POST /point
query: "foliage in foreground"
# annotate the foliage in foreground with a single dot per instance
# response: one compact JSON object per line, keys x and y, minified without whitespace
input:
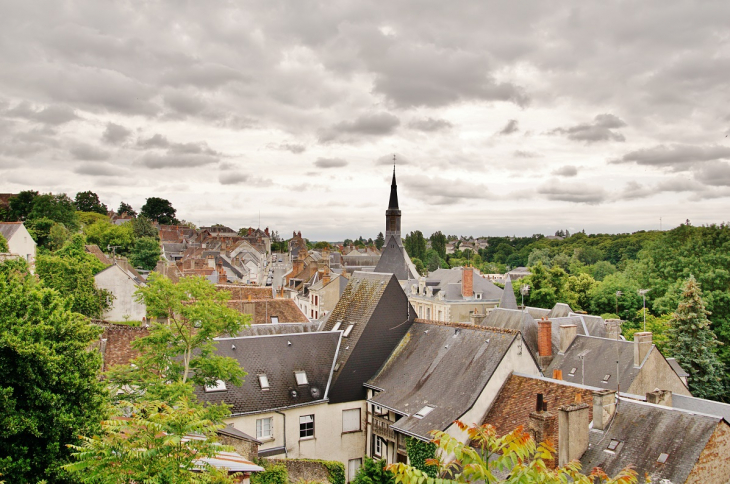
{"x":515,"y":453}
{"x":374,"y":472}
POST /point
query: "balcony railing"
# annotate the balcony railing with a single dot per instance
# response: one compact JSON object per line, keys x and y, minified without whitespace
{"x":381,"y":428}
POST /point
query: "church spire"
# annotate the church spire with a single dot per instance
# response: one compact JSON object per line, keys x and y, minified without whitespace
{"x":392,"y":215}
{"x":393,"y":204}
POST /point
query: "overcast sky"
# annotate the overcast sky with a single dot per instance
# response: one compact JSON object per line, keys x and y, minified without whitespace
{"x":506,"y":118}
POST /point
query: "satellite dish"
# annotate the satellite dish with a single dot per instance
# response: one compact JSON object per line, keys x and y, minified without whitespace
{"x":316,"y":394}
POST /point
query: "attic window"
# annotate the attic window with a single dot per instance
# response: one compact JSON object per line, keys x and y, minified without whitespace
{"x":348,"y":331}
{"x":606,"y":378}
{"x":274,"y":319}
{"x":662,"y":458}
{"x":572,"y":371}
{"x":220,"y":386}
{"x":264,"y":382}
{"x":478,"y":295}
{"x":614,"y":443}
{"x":424,"y":411}
{"x":337,"y":326}
{"x":301,"y":377}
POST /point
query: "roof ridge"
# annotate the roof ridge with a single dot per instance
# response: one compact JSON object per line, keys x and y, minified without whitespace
{"x":466,"y":326}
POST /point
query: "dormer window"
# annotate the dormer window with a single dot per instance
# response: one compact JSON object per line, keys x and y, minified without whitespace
{"x":478,"y":295}
{"x":220,"y":386}
{"x":348,"y":330}
{"x":274,"y":319}
{"x":264,"y":382}
{"x":301,"y":377}
{"x":424,"y":411}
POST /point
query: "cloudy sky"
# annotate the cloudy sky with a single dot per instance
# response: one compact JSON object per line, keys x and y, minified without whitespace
{"x":514,"y":117}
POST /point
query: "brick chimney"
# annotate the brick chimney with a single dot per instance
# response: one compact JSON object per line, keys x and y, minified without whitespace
{"x":660,"y":397}
{"x":604,"y":406}
{"x":543,"y":426}
{"x":613,"y":328}
{"x":572,"y":432}
{"x":568,"y":332}
{"x":211,"y":261}
{"x":326,"y":276}
{"x":477,"y":318}
{"x":467,"y":282}
{"x":544,"y":342}
{"x":642,"y":345}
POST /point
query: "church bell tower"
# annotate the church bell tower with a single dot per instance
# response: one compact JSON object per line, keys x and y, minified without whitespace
{"x":392,"y":215}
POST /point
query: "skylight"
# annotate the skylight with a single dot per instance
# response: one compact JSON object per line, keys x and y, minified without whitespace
{"x":220,"y":386}
{"x":337,"y":326}
{"x":572,"y":371}
{"x":264,"y":382}
{"x":348,"y":331}
{"x":606,"y":378}
{"x":274,"y":319}
{"x":301,"y":377}
{"x":662,"y":458}
{"x":424,"y":411}
{"x":614,"y":443}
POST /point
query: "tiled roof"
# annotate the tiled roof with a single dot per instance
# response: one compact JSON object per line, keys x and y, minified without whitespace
{"x":279,"y":328}
{"x":96,"y":252}
{"x":277,"y":357}
{"x":647,"y":431}
{"x":560,"y":310}
{"x":245,"y":292}
{"x":443,"y":366}
{"x":700,"y":405}
{"x":380,"y":314}
{"x":286,"y":310}
{"x":7,"y":229}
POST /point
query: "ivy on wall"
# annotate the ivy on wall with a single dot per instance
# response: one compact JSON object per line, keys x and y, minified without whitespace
{"x":336,"y":471}
{"x":418,"y":452}
{"x":273,"y":474}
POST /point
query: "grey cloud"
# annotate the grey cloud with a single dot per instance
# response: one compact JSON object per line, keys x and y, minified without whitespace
{"x":430,"y":124}
{"x":567,"y":171}
{"x":510,"y":127}
{"x":292,"y":147}
{"x":677,"y":157}
{"x":184,"y":103}
{"x":53,"y":115}
{"x":572,"y":192}
{"x":83,"y":151}
{"x":400,"y":160}
{"x":172,"y":160}
{"x":193,"y":148}
{"x":330,"y":163}
{"x":679,"y":184}
{"x":634,"y":190}
{"x":239,"y":178}
{"x":378,"y":124}
{"x":602,"y":129}
{"x":440,"y":191}
{"x":715,"y":173}
{"x":203,"y":75}
{"x":97,"y":169}
{"x":115,"y":134}
{"x":526,"y":154}
{"x":156,"y":141}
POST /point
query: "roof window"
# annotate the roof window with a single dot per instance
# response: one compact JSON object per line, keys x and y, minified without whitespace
{"x":348,"y":330}
{"x":301,"y":377}
{"x":424,"y":411}
{"x":264,"y":381}
{"x":274,"y":319}
{"x":220,"y":386}
{"x":662,"y":458}
{"x":613,"y":444}
{"x":572,"y":371}
{"x":606,"y":378}
{"x":337,"y":325}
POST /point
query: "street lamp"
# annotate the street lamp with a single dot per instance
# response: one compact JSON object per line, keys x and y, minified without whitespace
{"x":643,"y":296}
{"x":618,"y":294}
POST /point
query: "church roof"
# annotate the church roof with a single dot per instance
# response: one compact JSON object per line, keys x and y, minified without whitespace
{"x":393,"y":203}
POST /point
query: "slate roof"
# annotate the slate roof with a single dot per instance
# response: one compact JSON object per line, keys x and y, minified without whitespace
{"x":516,"y":320}
{"x":449,"y":281}
{"x":278,"y":357}
{"x":700,"y":405}
{"x":232,"y":431}
{"x":600,"y":359}
{"x":380,"y":314}
{"x":8,"y":229}
{"x":96,"y":252}
{"x":647,"y":431}
{"x":280,"y":328}
{"x":560,"y":310}
{"x":395,"y":260}
{"x":444,"y":366}
{"x":677,"y":369}
{"x":508,"y":300}
{"x":537,"y":313}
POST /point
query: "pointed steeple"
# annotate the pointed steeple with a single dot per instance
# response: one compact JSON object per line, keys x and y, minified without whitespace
{"x":508,"y":300}
{"x":393,"y":204}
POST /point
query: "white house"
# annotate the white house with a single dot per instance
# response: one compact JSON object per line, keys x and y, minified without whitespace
{"x":19,"y":240}
{"x":122,"y":283}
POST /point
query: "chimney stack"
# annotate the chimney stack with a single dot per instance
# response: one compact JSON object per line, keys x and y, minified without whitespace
{"x":211,"y":261}
{"x":613,"y":328}
{"x":604,"y":406}
{"x":660,"y":397}
{"x":543,"y":426}
{"x":572,"y":432}
{"x":544,"y":342}
{"x":568,"y":332}
{"x":557,"y":374}
{"x":467,"y":282}
{"x":642,"y":345}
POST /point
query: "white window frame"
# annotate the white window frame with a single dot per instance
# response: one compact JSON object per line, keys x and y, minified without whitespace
{"x":378,"y":447}
{"x":220,"y":386}
{"x":274,"y":319}
{"x":348,"y":330}
{"x":264,"y":381}
{"x":301,"y":377}
{"x":353,"y":465}
{"x":424,"y":411}
{"x":348,"y":416}
{"x":337,"y":325}
{"x":304,"y":420}
{"x":261,"y":424}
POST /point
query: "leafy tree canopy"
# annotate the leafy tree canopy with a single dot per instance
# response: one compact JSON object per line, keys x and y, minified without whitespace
{"x":59,"y":208}
{"x":374,"y":472}
{"x":107,"y":235}
{"x":22,"y":204}
{"x":90,"y":218}
{"x":159,"y":210}
{"x":415,"y":245}
{"x":145,"y":253}
{"x":3,"y":244}
{"x":379,"y":241}
{"x":142,"y":227}
{"x":126,"y":208}
{"x":49,"y":386}
{"x":322,"y":245}
{"x":89,"y":202}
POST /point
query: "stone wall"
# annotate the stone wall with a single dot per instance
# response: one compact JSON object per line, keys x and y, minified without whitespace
{"x":304,"y":470}
{"x":249,"y":450}
{"x":116,"y":347}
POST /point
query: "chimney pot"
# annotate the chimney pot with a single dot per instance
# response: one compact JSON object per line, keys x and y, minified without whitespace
{"x":642,"y":346}
{"x":568,"y":332}
{"x":660,"y":397}
{"x":613,"y":328}
{"x":557,"y":374}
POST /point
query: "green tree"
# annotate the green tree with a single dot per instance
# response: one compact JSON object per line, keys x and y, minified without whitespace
{"x":40,"y":230}
{"x":142,"y":227}
{"x":126,"y":208}
{"x":539,"y":255}
{"x":58,"y":236}
{"x":159,"y":210}
{"x":22,"y":204}
{"x":59,"y":208}
{"x":415,"y":245}
{"x":145,"y":253}
{"x":89,"y":202}
{"x":438,"y":243}
{"x":374,"y":472}
{"x":90,"y":218}
{"x":379,"y":241}
{"x":107,"y":235}
{"x":601,"y":269}
{"x":658,"y":325}
{"x":3,"y":244}
{"x":420,"y":268}
{"x":515,"y":455}
{"x":693,"y":343}
{"x":50,"y":390}
{"x":322,"y":245}
{"x":153,"y":445}
{"x":580,"y":287}
{"x":603,"y":298}
{"x":181,"y":347}
{"x":547,"y":287}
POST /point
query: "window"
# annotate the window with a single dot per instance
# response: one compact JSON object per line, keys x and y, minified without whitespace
{"x":348,"y":330}
{"x":378,"y":410}
{"x":306,"y":426}
{"x":378,"y":447}
{"x":264,"y":428}
{"x":424,"y":411}
{"x":264,"y":382}
{"x":662,"y":458}
{"x":572,"y":371}
{"x":614,"y":443}
{"x":301,"y":377}
{"x":337,"y":325}
{"x":274,"y":319}
{"x":220,"y":386}
{"x":606,"y":378}
{"x":351,"y":420}
{"x":316,"y":300}
{"x":478,"y":295}
{"x":352,"y":467}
